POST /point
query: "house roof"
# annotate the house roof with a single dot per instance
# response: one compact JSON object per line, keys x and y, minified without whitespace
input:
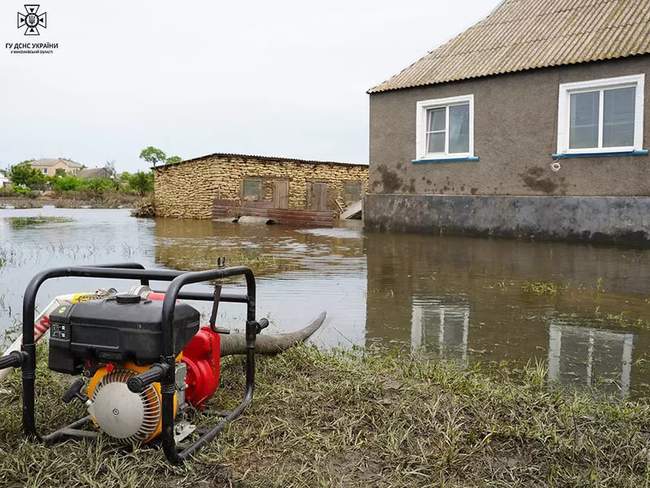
{"x":269,"y":159}
{"x":47,"y":163}
{"x":94,"y":173}
{"x":528,"y":34}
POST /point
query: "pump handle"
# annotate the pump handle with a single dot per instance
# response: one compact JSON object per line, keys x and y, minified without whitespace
{"x":12,"y":360}
{"x":138,"y":383}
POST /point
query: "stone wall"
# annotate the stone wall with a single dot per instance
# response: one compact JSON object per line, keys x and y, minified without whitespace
{"x":188,"y":189}
{"x":620,"y":220}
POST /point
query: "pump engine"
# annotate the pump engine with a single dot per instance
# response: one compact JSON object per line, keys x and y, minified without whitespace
{"x":112,"y":341}
{"x":142,"y":358}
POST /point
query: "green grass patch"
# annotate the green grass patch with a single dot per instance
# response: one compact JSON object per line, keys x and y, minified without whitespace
{"x":541,"y":287}
{"x":23,"y":222}
{"x":358,"y":419}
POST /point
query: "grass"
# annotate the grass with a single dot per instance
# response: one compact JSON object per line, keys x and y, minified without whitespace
{"x":263,"y":263}
{"x":23,"y":222}
{"x":541,"y":287}
{"x":353,"y":419}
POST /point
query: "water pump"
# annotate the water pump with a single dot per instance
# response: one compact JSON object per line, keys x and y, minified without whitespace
{"x":142,"y":358}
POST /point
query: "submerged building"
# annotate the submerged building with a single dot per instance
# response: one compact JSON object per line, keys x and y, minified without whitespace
{"x":283,"y":189}
{"x":528,"y":124}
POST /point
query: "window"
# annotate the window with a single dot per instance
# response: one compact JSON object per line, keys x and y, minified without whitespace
{"x":445,"y":128}
{"x":44,"y":170}
{"x":252,"y":190}
{"x":601,"y":116}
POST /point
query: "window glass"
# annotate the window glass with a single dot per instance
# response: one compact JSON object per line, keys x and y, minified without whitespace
{"x":618,"y":121}
{"x":437,"y":119}
{"x":459,"y":128}
{"x":584,"y":120}
{"x":436,"y":142}
{"x":436,"y":130}
{"x":252,"y":190}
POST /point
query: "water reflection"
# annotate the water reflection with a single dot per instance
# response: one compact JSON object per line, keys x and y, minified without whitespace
{"x":442,"y":326}
{"x":465,"y":299}
{"x":590,"y":357}
{"x":454,"y":297}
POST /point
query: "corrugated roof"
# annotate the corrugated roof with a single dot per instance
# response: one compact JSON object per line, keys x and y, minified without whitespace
{"x":94,"y":173}
{"x":528,"y":34}
{"x":269,"y":159}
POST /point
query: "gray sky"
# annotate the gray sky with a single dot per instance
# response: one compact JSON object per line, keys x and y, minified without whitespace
{"x":282,"y":78}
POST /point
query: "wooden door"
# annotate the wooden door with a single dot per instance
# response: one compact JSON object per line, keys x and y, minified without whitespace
{"x":318,"y":196}
{"x":280,"y":194}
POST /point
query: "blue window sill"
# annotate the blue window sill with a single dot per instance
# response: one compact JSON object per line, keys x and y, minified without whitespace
{"x":642,"y":152}
{"x":468,"y":159}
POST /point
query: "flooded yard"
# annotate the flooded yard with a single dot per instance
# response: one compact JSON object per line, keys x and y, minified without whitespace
{"x":580,"y":310}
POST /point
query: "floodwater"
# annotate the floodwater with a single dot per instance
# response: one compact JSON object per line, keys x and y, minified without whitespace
{"x":581,"y":310}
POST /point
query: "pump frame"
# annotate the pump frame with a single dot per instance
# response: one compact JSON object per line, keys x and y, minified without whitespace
{"x":26,"y":359}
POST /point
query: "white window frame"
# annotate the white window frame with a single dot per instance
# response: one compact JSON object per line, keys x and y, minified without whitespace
{"x":564,"y":113}
{"x":421,"y":127}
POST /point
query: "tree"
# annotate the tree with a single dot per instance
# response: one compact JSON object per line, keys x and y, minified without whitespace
{"x":67,"y":183}
{"x":23,"y":174}
{"x":153,"y":155}
{"x":141,"y":182}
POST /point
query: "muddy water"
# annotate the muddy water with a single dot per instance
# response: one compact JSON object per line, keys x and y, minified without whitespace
{"x":583,"y":311}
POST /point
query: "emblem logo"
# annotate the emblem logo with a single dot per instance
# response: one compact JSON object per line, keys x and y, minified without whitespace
{"x":32,"y":20}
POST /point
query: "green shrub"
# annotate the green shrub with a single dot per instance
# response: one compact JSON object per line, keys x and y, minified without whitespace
{"x":66,"y":183}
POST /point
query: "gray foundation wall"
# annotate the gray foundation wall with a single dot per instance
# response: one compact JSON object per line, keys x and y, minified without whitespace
{"x":624,"y":220}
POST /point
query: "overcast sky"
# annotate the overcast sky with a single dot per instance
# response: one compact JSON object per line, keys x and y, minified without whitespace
{"x":282,"y":78}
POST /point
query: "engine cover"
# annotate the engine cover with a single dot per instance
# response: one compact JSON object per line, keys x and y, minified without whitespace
{"x":118,"y":329}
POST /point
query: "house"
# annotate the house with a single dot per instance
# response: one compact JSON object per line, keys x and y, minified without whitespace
{"x":88,"y":173}
{"x":4,"y":181}
{"x":528,"y":124}
{"x":49,"y":167}
{"x":286,"y":190}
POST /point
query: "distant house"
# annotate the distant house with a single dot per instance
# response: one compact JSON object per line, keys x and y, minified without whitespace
{"x":87,"y":173}
{"x":282,"y":189}
{"x":50,"y":166}
{"x":4,"y":181}
{"x":529,"y":123}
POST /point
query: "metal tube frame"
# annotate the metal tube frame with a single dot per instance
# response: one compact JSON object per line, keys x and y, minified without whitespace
{"x":177,"y":279}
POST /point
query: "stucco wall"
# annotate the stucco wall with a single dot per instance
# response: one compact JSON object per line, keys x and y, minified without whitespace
{"x":515,"y":127}
{"x":51,"y":170}
{"x":188,"y":190}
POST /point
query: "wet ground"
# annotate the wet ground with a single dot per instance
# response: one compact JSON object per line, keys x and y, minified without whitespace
{"x":581,"y":310}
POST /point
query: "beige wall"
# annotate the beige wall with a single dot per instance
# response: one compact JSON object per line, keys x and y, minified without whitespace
{"x":188,"y":190}
{"x":515,"y":127}
{"x":51,"y":170}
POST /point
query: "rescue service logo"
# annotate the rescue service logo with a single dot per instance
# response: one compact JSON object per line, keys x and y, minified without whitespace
{"x":31,"y":22}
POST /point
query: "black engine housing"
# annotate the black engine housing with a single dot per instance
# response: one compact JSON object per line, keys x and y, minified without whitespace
{"x":117,"y":329}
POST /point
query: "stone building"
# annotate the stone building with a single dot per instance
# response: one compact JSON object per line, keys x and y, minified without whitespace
{"x":220,"y":185}
{"x":529,"y":123}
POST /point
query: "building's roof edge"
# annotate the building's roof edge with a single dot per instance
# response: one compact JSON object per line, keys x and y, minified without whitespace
{"x":48,"y":162}
{"x":377,"y":89}
{"x":523,"y":35}
{"x":261,"y":158}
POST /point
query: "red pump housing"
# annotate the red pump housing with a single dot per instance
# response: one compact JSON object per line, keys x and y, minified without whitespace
{"x":202,"y":355}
